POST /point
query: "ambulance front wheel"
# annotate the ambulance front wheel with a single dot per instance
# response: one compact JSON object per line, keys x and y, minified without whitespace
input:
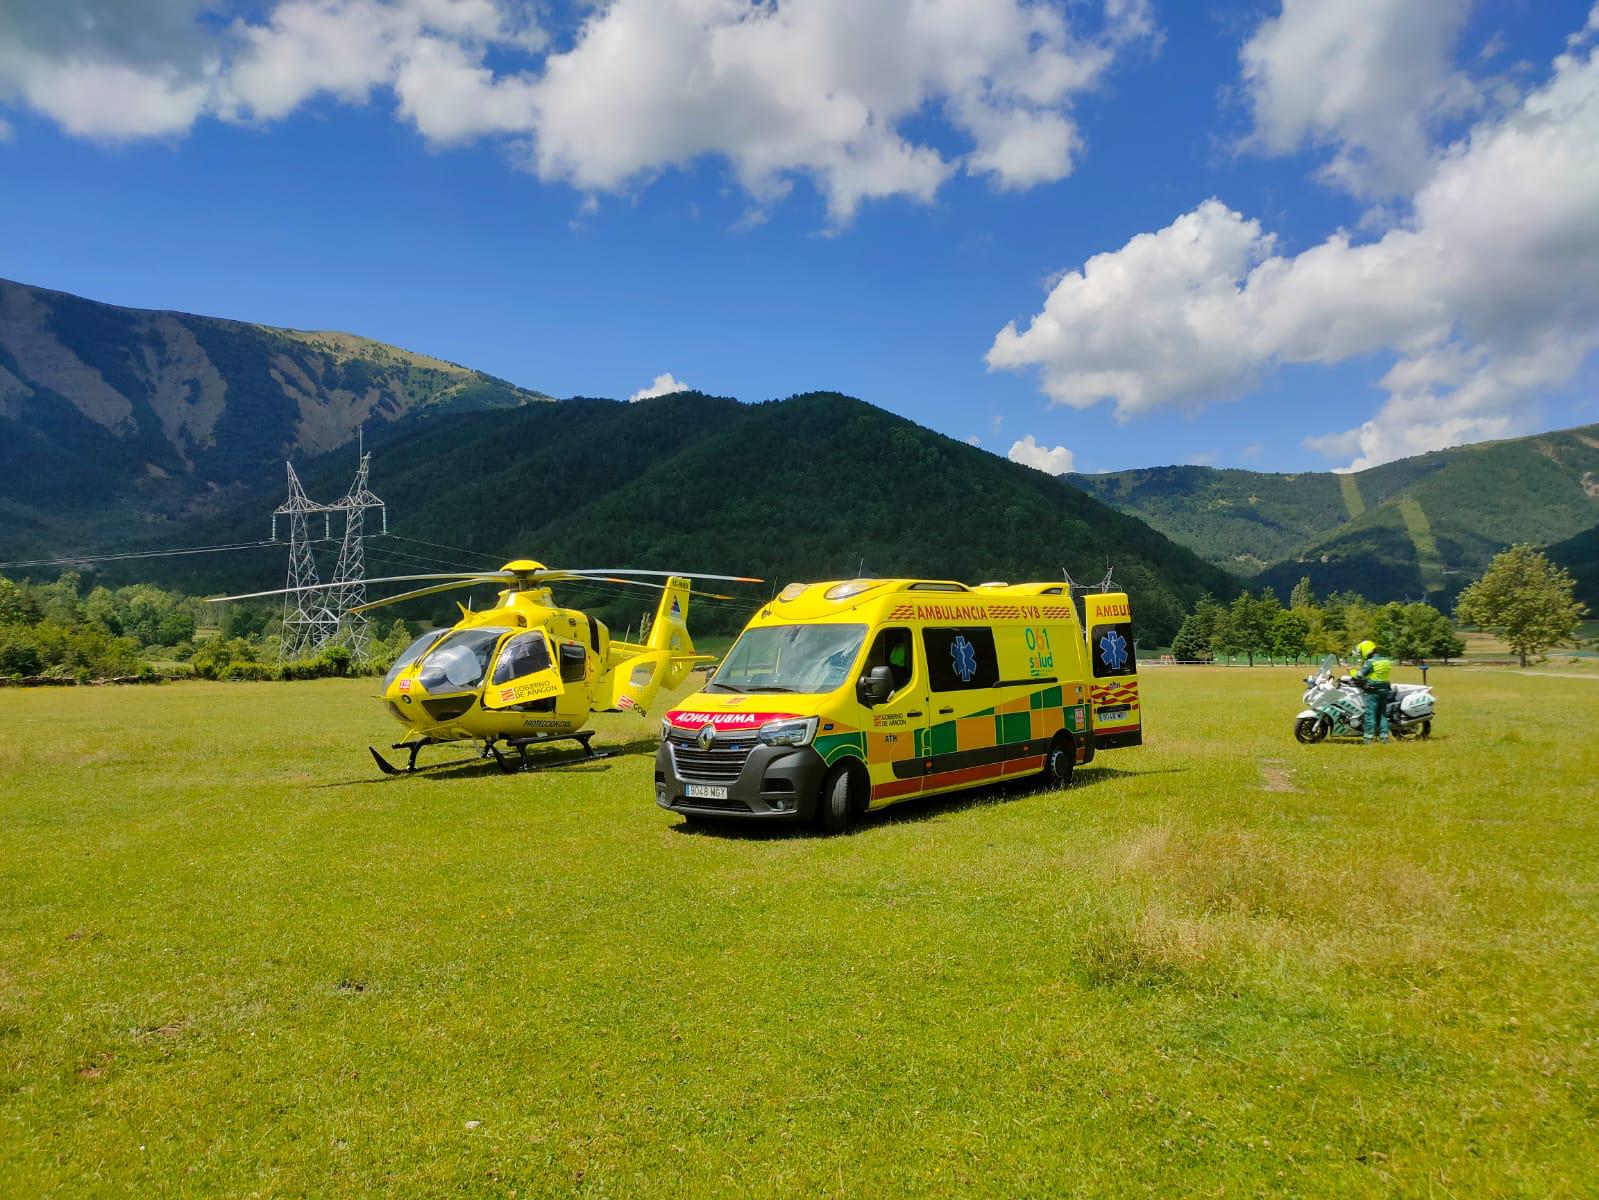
{"x":840,"y":799}
{"x":1059,"y":761}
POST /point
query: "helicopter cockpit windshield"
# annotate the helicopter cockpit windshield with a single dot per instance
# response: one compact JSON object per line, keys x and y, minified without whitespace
{"x":460,"y":660}
{"x":411,"y":653}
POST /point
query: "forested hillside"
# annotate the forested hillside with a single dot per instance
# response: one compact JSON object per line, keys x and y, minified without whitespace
{"x":1580,"y":556}
{"x":134,"y":421}
{"x":1242,"y":520}
{"x":816,"y":486}
{"x":1422,"y":526}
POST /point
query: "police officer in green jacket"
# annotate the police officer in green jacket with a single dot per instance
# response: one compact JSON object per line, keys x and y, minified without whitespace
{"x":1372,"y":672}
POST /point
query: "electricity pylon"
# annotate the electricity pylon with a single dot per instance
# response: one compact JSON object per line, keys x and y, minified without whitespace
{"x":307,"y":620}
{"x":351,"y":629}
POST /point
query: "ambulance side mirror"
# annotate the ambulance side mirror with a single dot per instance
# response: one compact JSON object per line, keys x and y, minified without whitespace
{"x":876,"y":686}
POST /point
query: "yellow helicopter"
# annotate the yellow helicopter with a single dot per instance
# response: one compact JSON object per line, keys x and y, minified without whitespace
{"x":527,"y":671}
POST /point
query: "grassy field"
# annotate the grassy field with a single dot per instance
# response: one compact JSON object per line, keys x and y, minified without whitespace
{"x":234,"y":961}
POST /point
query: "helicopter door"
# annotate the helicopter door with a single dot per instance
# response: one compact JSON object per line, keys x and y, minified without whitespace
{"x":523,"y":672}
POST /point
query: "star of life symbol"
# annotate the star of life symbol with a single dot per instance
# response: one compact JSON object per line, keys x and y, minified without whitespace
{"x":963,"y":660}
{"x":1113,"y":650}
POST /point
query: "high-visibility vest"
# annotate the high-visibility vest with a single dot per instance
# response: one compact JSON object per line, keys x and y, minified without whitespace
{"x":1376,"y":669}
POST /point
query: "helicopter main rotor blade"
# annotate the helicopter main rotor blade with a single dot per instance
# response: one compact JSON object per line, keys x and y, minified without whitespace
{"x":322,"y":587}
{"x":662,"y":574}
{"x":654,"y":587}
{"x":427,"y":591}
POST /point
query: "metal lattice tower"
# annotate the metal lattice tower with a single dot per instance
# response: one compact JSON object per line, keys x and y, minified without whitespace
{"x":352,"y":630}
{"x":307,"y":621}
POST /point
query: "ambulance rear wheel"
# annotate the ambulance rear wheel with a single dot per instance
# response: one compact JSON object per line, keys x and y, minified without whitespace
{"x":1059,"y":761}
{"x":836,"y":803}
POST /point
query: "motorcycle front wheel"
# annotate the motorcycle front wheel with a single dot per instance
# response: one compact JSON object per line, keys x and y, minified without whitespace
{"x":1310,"y":730}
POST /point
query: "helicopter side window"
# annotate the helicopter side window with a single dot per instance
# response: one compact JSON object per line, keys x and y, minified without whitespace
{"x":522,"y":655}
{"x":574,"y":662}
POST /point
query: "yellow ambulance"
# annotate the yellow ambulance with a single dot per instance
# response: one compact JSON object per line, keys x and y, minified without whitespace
{"x":846,"y":696}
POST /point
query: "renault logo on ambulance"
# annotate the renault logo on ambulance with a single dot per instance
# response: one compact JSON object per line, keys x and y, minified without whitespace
{"x":707,"y":737}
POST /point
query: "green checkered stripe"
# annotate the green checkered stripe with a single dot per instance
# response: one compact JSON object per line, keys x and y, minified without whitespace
{"x":941,"y":737}
{"x":832,"y":746}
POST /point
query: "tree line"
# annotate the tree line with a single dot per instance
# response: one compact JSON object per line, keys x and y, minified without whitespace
{"x":1523,"y":597}
{"x":61,"y":632}
{"x":1258,"y":625}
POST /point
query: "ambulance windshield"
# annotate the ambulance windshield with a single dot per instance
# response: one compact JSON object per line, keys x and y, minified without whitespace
{"x":810,"y":659}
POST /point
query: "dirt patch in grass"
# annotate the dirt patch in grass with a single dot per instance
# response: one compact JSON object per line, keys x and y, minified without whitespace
{"x":1275,"y":776}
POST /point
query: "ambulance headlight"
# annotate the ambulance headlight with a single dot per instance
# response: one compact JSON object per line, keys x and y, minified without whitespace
{"x":666,"y":729}
{"x":800,"y":731}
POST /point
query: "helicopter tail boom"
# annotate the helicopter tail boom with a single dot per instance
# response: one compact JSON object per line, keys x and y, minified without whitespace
{"x":639,"y":671}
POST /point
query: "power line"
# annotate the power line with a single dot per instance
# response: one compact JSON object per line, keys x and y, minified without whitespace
{"x":89,"y":558}
{"x":442,"y":546}
{"x":412,"y":556}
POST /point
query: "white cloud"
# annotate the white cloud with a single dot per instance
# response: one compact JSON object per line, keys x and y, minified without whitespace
{"x":973,"y":440}
{"x":662,"y":385}
{"x":818,"y":88}
{"x":112,"y":101}
{"x":1052,"y":460}
{"x":1485,"y":296}
{"x":1369,"y":79}
{"x":787,"y":89}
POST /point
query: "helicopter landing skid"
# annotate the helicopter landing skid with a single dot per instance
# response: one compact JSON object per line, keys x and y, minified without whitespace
{"x":415,"y":748}
{"x":511,"y":764}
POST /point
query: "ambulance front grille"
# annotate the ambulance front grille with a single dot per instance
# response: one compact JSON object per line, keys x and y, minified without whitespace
{"x":722,"y":763}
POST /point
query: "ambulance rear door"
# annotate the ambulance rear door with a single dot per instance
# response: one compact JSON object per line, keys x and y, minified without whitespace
{"x":1113,"y":693}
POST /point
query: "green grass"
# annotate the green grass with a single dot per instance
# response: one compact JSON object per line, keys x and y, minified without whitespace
{"x":233,"y":961}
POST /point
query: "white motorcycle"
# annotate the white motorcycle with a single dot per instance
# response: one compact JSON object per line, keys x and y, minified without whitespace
{"x":1336,"y":707}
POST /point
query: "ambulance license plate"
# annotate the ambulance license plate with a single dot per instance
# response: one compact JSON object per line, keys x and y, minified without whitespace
{"x":707,"y":791}
{"x":1112,"y":714}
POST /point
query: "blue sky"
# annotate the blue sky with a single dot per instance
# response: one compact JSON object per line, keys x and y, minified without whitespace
{"x":592,"y":271}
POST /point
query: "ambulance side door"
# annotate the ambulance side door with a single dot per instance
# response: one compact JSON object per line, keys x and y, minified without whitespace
{"x":896,"y":727}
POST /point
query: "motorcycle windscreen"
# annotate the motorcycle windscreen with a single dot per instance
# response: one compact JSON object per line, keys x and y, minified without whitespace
{"x":1113,"y":696}
{"x":523,"y":672}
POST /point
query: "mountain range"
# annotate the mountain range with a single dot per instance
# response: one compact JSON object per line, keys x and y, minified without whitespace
{"x":123,"y":428}
{"x":145,"y":419}
{"x":1417,"y":527}
{"x":127,"y":429}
